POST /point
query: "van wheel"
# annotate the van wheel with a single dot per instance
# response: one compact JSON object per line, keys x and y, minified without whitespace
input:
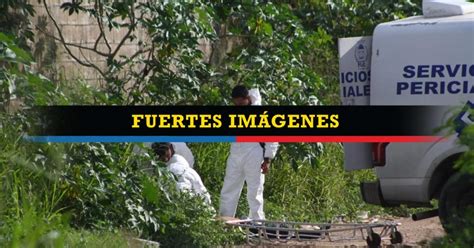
{"x":456,"y":198}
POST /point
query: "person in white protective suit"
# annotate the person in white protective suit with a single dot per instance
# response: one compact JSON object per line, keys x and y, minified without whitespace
{"x":188,"y":180}
{"x":182,"y":149}
{"x":247,"y":162}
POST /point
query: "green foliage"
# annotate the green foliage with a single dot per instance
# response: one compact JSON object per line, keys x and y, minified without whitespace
{"x":29,"y":194}
{"x":316,"y":193}
{"x":169,"y":51}
{"x":96,"y":239}
{"x":353,"y":18}
{"x":283,"y":49}
{"x":18,"y":79}
{"x":292,"y":192}
{"x":99,"y":187}
{"x":45,"y":51}
{"x":32,"y":228}
{"x":466,"y":162}
{"x":462,"y":237}
{"x":466,"y":138}
{"x":175,"y":28}
{"x":47,"y":187}
{"x":15,"y":20}
{"x":270,"y":56}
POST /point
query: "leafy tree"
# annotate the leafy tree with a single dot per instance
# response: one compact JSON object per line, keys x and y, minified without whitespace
{"x":168,"y":53}
{"x":17,"y":78}
{"x":15,"y":20}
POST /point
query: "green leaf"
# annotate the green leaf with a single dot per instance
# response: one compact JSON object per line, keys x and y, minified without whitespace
{"x":150,"y":192}
{"x":33,"y":79}
{"x":20,"y":53}
{"x":5,"y":38}
{"x":267,"y":28}
{"x":203,"y":18}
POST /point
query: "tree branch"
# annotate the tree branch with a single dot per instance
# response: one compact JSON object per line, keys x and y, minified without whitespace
{"x":100,"y":24}
{"x":143,"y":73}
{"x":71,"y":44}
{"x":97,"y":41}
{"x":130,"y":29}
{"x":140,"y":51}
{"x":85,"y":58}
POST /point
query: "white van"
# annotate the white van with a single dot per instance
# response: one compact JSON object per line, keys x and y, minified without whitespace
{"x":421,"y":60}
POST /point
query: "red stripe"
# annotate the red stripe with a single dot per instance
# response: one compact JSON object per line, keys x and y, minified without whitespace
{"x":370,"y":139}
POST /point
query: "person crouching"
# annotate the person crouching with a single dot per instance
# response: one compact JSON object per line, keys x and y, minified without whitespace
{"x":188,"y":180}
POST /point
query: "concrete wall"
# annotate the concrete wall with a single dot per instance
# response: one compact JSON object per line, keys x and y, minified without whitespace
{"x":82,"y":29}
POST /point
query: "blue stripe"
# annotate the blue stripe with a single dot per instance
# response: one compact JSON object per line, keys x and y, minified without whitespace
{"x":82,"y":139}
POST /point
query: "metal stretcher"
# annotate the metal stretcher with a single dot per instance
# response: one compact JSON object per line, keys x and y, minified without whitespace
{"x":258,"y":231}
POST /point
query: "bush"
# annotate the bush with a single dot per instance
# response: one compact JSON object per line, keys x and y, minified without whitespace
{"x":98,"y":187}
{"x":462,"y":237}
{"x":50,"y":189}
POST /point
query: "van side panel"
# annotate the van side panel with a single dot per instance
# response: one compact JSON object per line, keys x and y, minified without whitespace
{"x":421,"y":61}
{"x":407,"y":175}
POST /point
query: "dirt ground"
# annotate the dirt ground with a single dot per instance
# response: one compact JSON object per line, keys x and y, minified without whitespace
{"x":415,"y":234}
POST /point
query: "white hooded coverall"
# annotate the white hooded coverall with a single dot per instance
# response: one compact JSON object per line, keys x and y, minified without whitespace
{"x":244,"y":165}
{"x":187,"y":178}
{"x":182,"y":149}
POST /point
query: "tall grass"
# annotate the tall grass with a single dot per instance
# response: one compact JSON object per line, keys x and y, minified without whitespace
{"x":31,"y":196}
{"x":56,"y":195}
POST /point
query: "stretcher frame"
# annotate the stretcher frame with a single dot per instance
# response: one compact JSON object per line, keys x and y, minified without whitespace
{"x":284,"y":231}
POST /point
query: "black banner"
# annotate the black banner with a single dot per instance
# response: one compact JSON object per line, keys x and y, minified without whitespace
{"x":237,"y":121}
